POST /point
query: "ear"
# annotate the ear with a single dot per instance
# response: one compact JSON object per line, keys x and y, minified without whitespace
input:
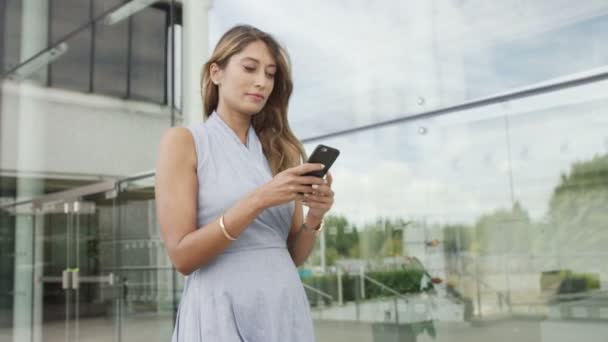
{"x":216,"y":74}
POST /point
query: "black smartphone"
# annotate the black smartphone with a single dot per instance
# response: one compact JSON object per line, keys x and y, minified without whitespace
{"x":325,"y":155}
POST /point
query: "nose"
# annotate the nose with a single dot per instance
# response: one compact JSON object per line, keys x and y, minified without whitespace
{"x":261,"y":81}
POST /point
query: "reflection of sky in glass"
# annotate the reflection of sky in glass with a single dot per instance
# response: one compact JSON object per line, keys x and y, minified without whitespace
{"x":361,"y":62}
{"x":568,"y":50}
{"x":460,"y":169}
{"x":356,"y":63}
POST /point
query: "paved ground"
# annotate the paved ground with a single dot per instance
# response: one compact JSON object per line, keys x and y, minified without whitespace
{"x":152,"y":329}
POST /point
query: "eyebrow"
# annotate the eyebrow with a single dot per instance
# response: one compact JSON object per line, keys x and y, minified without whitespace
{"x":255,"y":60}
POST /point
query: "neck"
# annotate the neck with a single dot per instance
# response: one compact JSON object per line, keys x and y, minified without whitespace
{"x":238,"y":122}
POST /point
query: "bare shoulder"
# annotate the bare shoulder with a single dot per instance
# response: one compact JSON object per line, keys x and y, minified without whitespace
{"x":176,"y":185}
{"x":177,"y":144}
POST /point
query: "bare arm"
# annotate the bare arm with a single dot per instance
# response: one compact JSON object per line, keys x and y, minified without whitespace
{"x":301,"y":241}
{"x":190,"y":248}
{"x":176,"y":200}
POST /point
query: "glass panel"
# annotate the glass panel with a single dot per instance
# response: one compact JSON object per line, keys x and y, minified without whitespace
{"x":557,"y":255}
{"x":41,"y":246}
{"x":73,"y":69}
{"x":363,"y":62}
{"x":21,"y":297}
{"x":56,"y":308}
{"x":150,"y":284}
{"x":472,"y":218}
{"x":11,"y":19}
{"x":395,"y":207}
{"x":7,"y":275}
{"x":148,"y":56}
{"x":67,"y":16}
{"x":102,"y":6}
{"x":96,"y":288}
{"x":111,"y":51}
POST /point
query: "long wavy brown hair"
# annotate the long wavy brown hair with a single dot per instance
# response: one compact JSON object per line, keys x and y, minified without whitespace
{"x":281,"y":147}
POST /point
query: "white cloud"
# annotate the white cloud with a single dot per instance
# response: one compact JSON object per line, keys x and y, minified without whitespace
{"x":357,"y":63}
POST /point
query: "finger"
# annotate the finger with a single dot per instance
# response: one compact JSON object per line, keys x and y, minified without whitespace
{"x":329,"y":179}
{"x":306,"y":168}
{"x":309,"y":180}
{"x":306,"y":189}
{"x":323,"y":190}
{"x":316,"y":205}
{"x":318,"y":199}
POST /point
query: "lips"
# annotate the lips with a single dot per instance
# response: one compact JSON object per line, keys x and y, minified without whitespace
{"x":257,"y":96}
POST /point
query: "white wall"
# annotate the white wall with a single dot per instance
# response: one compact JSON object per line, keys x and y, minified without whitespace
{"x":78,"y":133}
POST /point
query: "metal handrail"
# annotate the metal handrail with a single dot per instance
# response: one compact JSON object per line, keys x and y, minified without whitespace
{"x":317,"y":291}
{"x":138,"y":268}
{"x":69,"y":194}
{"x":539,"y":89}
{"x":385,"y":287}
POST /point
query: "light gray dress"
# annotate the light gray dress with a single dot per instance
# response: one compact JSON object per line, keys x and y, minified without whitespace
{"x":252,"y":292}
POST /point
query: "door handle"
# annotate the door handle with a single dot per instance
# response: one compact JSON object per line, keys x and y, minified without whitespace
{"x":77,"y":279}
{"x":64,"y":279}
{"x":70,"y":278}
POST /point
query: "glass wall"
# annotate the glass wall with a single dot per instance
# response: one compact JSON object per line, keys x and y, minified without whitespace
{"x":87,"y":88}
{"x":470,"y":190}
{"x":500,"y":204}
{"x":357,"y":62}
{"x":98,"y":270}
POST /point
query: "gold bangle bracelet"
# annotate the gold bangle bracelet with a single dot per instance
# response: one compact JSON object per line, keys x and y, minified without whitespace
{"x":317,"y":230}
{"x":223,"y":228}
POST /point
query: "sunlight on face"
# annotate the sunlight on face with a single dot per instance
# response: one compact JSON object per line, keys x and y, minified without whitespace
{"x":248,"y":79}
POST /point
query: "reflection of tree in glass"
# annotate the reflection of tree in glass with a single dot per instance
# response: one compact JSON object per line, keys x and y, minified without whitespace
{"x":343,"y":240}
{"x":578,"y":209}
{"x":503,"y":231}
{"x":578,"y":222}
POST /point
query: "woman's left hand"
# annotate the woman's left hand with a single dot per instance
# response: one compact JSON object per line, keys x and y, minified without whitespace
{"x":320,"y":201}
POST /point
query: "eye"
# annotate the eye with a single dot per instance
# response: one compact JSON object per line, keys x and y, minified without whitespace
{"x":270,"y":75}
{"x":249,"y":68}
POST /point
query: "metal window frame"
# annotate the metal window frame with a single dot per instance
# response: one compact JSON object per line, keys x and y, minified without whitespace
{"x":90,"y":23}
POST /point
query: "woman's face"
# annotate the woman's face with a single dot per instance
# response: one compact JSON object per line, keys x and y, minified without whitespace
{"x":248,"y":79}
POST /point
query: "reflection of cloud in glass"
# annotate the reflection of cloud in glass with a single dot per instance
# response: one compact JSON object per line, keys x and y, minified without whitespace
{"x":358,"y":63}
{"x":460,"y":169}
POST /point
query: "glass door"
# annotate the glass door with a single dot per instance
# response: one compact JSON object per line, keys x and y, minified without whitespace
{"x":77,"y":295}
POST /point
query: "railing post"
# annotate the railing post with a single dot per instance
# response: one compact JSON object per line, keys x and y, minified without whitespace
{"x":396,"y":311}
{"x":340,"y":299}
{"x":362,"y":279}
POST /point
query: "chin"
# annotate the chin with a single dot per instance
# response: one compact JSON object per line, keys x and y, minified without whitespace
{"x":252,"y":110}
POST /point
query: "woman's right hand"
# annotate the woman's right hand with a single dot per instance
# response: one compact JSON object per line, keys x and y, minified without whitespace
{"x":286,"y":185}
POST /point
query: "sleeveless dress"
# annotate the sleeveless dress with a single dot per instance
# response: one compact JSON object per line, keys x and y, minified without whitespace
{"x":251,"y":292}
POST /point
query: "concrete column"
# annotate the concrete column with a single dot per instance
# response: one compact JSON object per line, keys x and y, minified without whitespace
{"x":195,"y":43}
{"x":27,"y":301}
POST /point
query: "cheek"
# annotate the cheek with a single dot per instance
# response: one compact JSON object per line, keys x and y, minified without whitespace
{"x":232,"y":89}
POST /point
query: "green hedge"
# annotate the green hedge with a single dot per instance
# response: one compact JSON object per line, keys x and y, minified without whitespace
{"x":565,"y":281}
{"x":403,"y":281}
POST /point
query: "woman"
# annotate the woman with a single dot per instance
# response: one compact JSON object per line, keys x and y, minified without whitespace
{"x":228,"y":205}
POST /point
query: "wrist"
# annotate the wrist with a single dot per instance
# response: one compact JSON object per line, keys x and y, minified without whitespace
{"x":313,"y":221}
{"x":257,"y":201}
{"x":317,"y":230}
